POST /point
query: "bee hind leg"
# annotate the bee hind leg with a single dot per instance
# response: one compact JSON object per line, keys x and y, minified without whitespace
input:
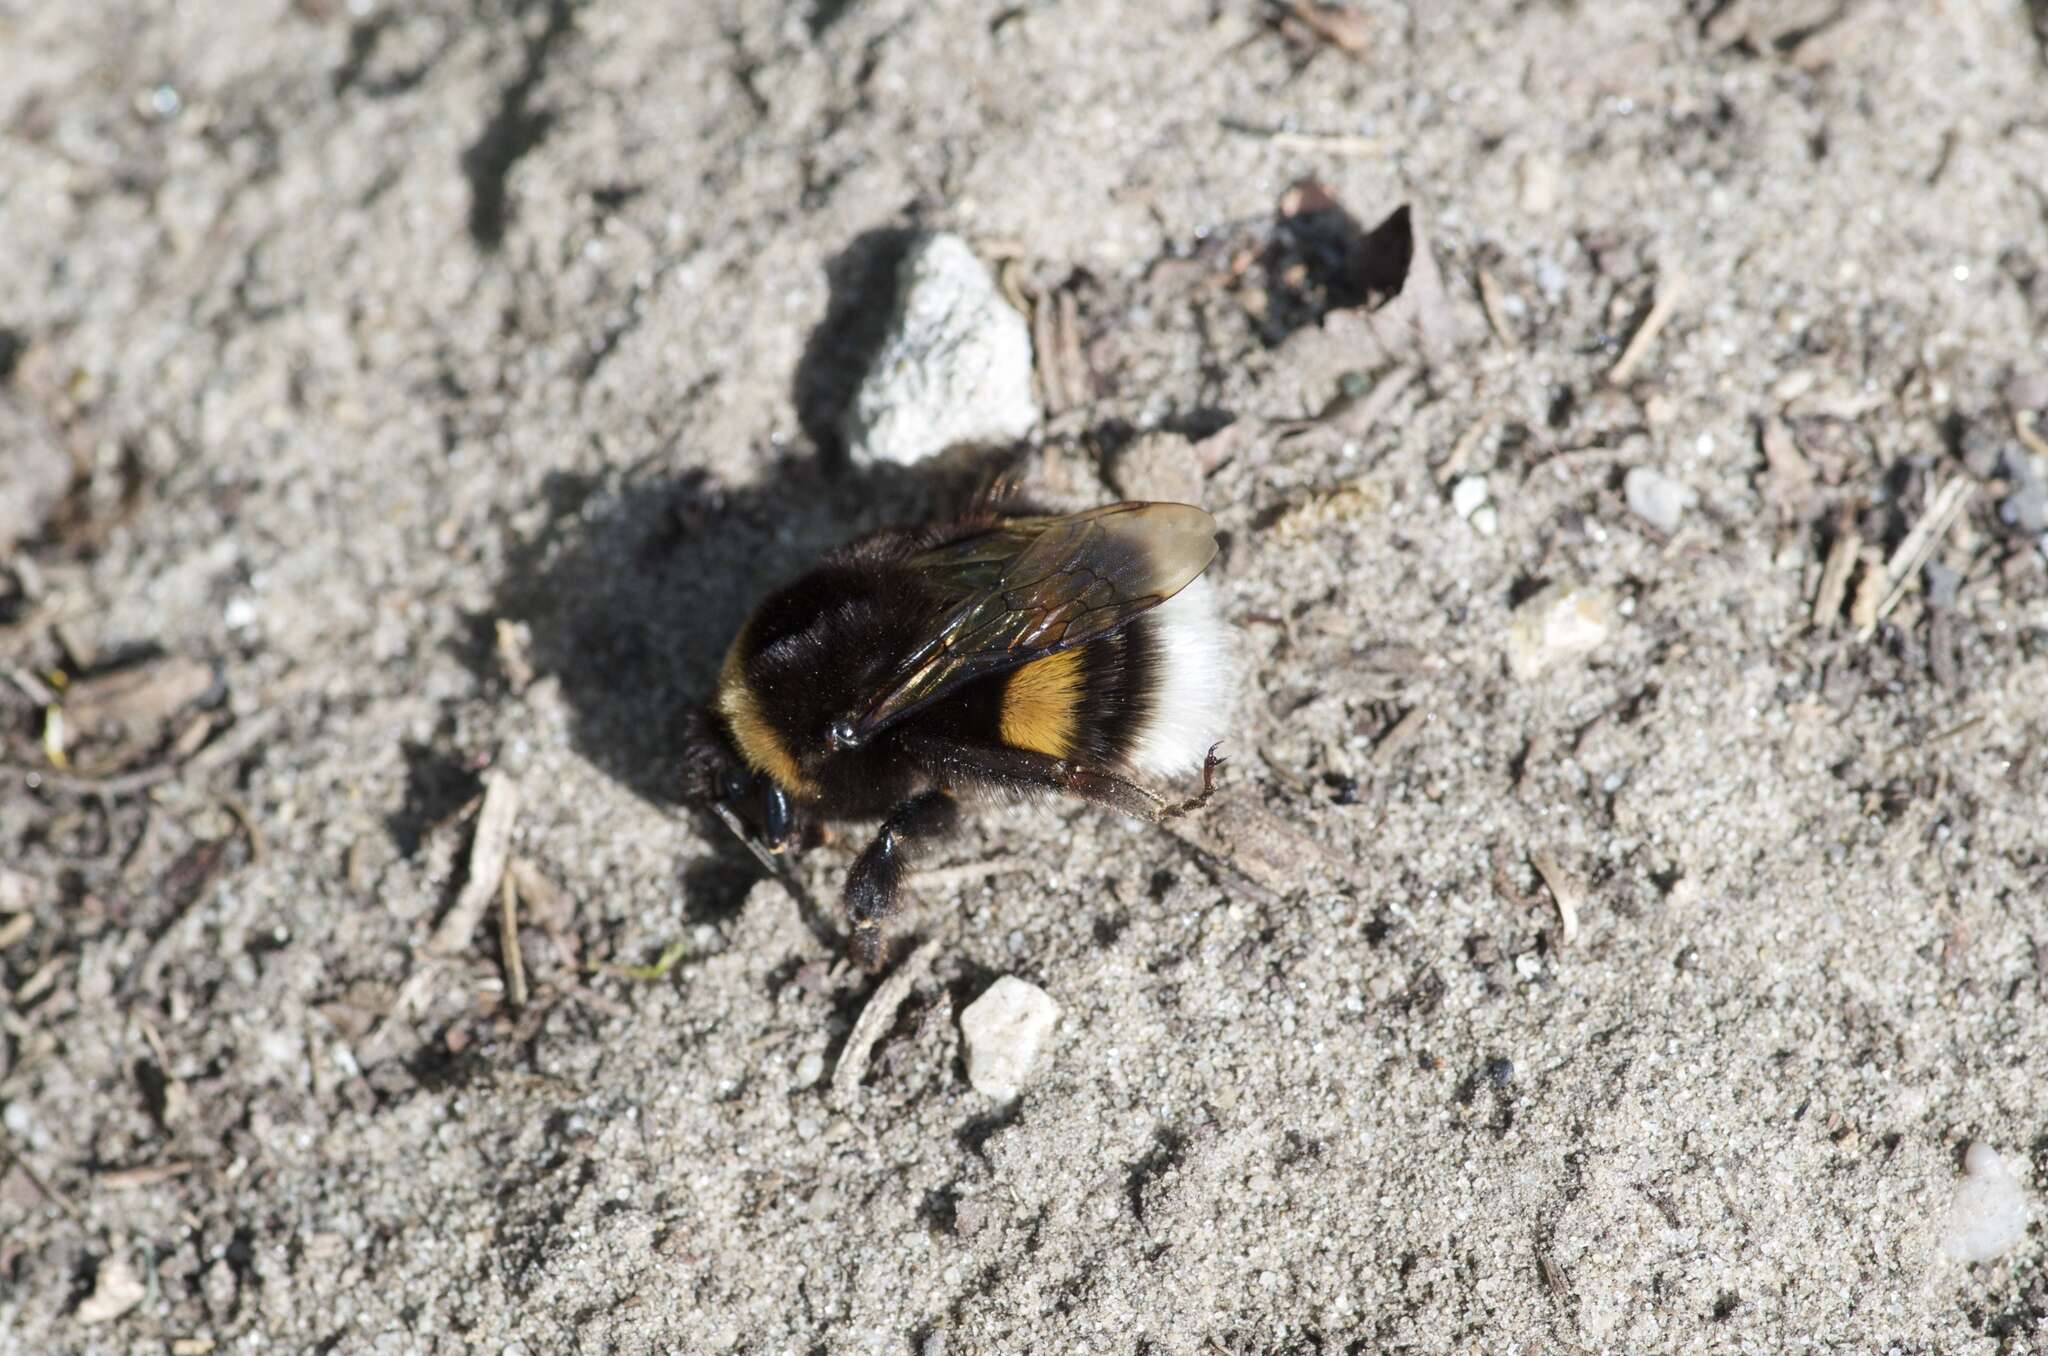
{"x":876,"y":880}
{"x":1022,"y":771}
{"x":1210,"y":762}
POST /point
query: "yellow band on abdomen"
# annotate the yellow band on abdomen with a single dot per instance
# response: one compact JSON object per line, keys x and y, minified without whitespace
{"x":1042,"y":704}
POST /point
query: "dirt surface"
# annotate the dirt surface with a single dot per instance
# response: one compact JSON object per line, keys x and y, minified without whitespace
{"x":444,"y":381}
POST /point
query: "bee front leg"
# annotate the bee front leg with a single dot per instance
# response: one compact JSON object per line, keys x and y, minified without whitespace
{"x":877,"y":876}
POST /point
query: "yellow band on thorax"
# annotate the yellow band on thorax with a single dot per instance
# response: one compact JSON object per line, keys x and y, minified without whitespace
{"x":761,"y":748}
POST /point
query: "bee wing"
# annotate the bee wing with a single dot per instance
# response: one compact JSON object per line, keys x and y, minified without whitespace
{"x":1030,"y":587}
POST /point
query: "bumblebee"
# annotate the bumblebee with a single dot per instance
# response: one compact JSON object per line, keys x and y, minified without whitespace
{"x":1005,"y":653}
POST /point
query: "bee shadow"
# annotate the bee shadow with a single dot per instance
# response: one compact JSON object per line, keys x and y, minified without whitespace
{"x":636,"y":584}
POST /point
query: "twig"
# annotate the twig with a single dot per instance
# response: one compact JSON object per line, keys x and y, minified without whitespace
{"x":1869,"y":592}
{"x":1913,"y":746}
{"x":32,"y":687}
{"x":1491,"y":301}
{"x":1563,"y":888}
{"x":1323,"y":143}
{"x":55,"y":1197}
{"x":508,"y":942}
{"x":947,"y":877}
{"x":241,"y":813}
{"x":1329,"y":143}
{"x":1834,"y":576}
{"x":1661,"y":310}
{"x":2023,"y":428}
{"x":237,"y":741}
{"x":877,"y":1017}
{"x":488,"y":853}
{"x":1919,"y":546}
{"x":1404,"y":732}
{"x":149,"y":1174}
{"x":1461,"y":450}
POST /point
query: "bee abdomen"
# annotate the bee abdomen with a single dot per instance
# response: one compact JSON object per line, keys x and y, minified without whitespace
{"x":1152,"y":696}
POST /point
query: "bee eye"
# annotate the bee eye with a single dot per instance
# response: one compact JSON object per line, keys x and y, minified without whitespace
{"x":842,"y":735}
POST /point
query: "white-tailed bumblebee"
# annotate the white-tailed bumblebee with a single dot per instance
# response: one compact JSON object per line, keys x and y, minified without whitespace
{"x":1003,"y":653}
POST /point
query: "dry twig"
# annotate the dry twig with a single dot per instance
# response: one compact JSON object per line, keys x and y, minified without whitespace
{"x":1494,"y":304}
{"x":1919,"y":546}
{"x":488,"y":853}
{"x":1834,"y":576}
{"x":1404,"y":732}
{"x":1563,"y":888}
{"x":877,"y":1017}
{"x":149,"y":1174}
{"x":1669,"y":293}
{"x":508,"y":942}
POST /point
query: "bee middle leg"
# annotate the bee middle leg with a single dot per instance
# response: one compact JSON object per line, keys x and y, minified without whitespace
{"x":875,"y":881}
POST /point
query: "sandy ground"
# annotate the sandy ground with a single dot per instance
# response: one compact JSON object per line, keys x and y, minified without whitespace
{"x":371,"y":328}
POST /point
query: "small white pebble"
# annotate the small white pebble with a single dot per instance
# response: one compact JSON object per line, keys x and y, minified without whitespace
{"x":1989,"y":1213}
{"x":1792,"y":385}
{"x":1467,"y":495}
{"x":810,"y":1069}
{"x":1657,"y":499}
{"x":1004,"y":1030}
{"x":1538,"y":181}
{"x":1557,"y":623}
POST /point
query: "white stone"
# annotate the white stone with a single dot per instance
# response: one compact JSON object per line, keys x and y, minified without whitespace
{"x":1989,"y":1212}
{"x":1537,"y":178}
{"x":1005,"y":1029}
{"x":810,"y":1069}
{"x":1467,"y":495}
{"x":1557,"y":623}
{"x":954,"y":366}
{"x":1657,"y":499}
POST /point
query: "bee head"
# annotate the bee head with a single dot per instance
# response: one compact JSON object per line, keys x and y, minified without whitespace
{"x":749,"y":802}
{"x":760,"y":805}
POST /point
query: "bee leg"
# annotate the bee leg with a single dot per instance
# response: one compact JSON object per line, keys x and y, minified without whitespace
{"x":1210,"y":762}
{"x":877,"y":875}
{"x":1008,"y":768}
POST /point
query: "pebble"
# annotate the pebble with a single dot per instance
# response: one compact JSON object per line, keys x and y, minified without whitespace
{"x":2026,"y":508}
{"x":1471,"y":500}
{"x":1944,"y":585}
{"x":810,"y":1069}
{"x":115,"y":1291}
{"x":1657,"y":499}
{"x":1537,"y":185}
{"x":1004,"y":1030}
{"x":1989,"y":1213}
{"x":1555,"y":624}
{"x":954,"y":366}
